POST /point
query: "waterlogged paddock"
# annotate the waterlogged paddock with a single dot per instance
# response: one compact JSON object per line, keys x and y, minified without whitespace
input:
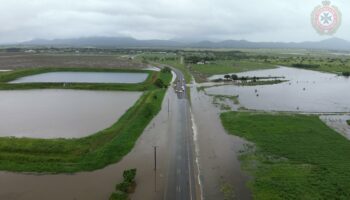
{"x":61,"y":113}
{"x":306,"y":90}
{"x":84,"y":77}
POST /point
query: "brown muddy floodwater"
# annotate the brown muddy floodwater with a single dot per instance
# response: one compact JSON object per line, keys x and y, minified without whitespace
{"x":99,"y":184}
{"x":60,"y":113}
{"x":218,"y":153}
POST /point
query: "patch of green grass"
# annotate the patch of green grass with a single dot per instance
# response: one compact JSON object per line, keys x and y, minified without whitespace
{"x":201,"y":72}
{"x":234,"y":99}
{"x":89,"y":153}
{"x":348,"y":122}
{"x":119,"y":196}
{"x":296,"y":156}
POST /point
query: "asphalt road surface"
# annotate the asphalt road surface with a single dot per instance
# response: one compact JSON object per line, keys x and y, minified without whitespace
{"x":181,"y":181}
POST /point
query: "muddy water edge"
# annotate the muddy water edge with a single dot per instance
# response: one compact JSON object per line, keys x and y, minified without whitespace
{"x":220,"y":171}
{"x":101,"y":183}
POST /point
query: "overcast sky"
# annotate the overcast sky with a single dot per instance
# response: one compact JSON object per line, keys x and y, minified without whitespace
{"x":255,"y":20}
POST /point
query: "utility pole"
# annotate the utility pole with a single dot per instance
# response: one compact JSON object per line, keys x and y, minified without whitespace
{"x":155,"y":168}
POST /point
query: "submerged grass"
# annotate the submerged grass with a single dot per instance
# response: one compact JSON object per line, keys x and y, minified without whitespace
{"x":295,"y":157}
{"x":88,"y":153}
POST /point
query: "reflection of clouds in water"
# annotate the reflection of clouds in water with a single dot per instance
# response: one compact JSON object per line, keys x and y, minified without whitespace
{"x":307,"y":91}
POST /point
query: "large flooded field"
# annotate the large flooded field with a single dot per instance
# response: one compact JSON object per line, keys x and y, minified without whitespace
{"x":84,"y":77}
{"x":61,"y":113}
{"x":305,"y":90}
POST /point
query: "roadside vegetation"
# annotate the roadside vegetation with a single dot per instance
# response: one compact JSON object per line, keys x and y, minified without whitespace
{"x":292,"y":156}
{"x":347,"y":74}
{"x":126,"y":187}
{"x":88,"y":153}
{"x":167,"y":59}
{"x":348,"y":122}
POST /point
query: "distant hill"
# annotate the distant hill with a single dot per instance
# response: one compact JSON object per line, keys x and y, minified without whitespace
{"x":109,"y":42}
{"x":124,"y":42}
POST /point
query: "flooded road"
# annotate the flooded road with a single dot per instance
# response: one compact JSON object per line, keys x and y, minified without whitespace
{"x":61,"y":113}
{"x":307,"y":91}
{"x":338,"y":123}
{"x":101,"y":183}
{"x":219,"y":166}
{"x":84,"y":77}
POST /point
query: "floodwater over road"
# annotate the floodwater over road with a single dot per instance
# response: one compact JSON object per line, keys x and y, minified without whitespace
{"x":338,"y":123}
{"x":84,"y":77}
{"x":220,"y":171}
{"x":101,"y":183}
{"x":306,"y":91}
{"x":60,"y":113}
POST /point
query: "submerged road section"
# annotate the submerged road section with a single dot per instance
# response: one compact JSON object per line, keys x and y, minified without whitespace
{"x":181,"y":181}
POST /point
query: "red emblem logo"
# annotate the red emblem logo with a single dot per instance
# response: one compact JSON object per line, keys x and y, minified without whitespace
{"x":326,"y":19}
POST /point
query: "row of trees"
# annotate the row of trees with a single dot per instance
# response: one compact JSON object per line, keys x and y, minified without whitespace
{"x":234,"y":77}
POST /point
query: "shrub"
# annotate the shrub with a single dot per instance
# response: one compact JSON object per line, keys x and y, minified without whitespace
{"x":166,"y":70}
{"x":227,"y":76}
{"x":347,"y":74}
{"x":119,"y":196}
{"x":159,"y":83}
{"x":234,"y":77}
{"x":306,"y":66}
{"x":123,"y":186}
{"x":129,"y":175}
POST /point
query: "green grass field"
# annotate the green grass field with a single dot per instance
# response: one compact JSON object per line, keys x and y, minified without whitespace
{"x":295,"y":156}
{"x":88,"y":153}
{"x":202,"y":72}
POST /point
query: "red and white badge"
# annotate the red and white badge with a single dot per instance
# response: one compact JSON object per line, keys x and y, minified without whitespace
{"x":326,"y":19}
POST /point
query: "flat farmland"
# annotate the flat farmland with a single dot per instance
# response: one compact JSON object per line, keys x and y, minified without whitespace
{"x":25,"y":60}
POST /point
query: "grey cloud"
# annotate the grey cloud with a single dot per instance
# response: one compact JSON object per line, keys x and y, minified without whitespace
{"x":268,"y":20}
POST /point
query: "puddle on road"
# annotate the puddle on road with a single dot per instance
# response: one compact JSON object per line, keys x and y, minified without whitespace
{"x":307,"y":91}
{"x":84,"y":77}
{"x":61,"y":113}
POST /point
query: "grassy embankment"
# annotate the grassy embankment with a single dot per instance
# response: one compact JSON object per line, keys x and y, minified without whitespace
{"x":295,"y":157}
{"x":88,"y":153}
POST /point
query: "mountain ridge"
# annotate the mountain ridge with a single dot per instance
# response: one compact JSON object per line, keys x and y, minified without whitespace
{"x":128,"y":42}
